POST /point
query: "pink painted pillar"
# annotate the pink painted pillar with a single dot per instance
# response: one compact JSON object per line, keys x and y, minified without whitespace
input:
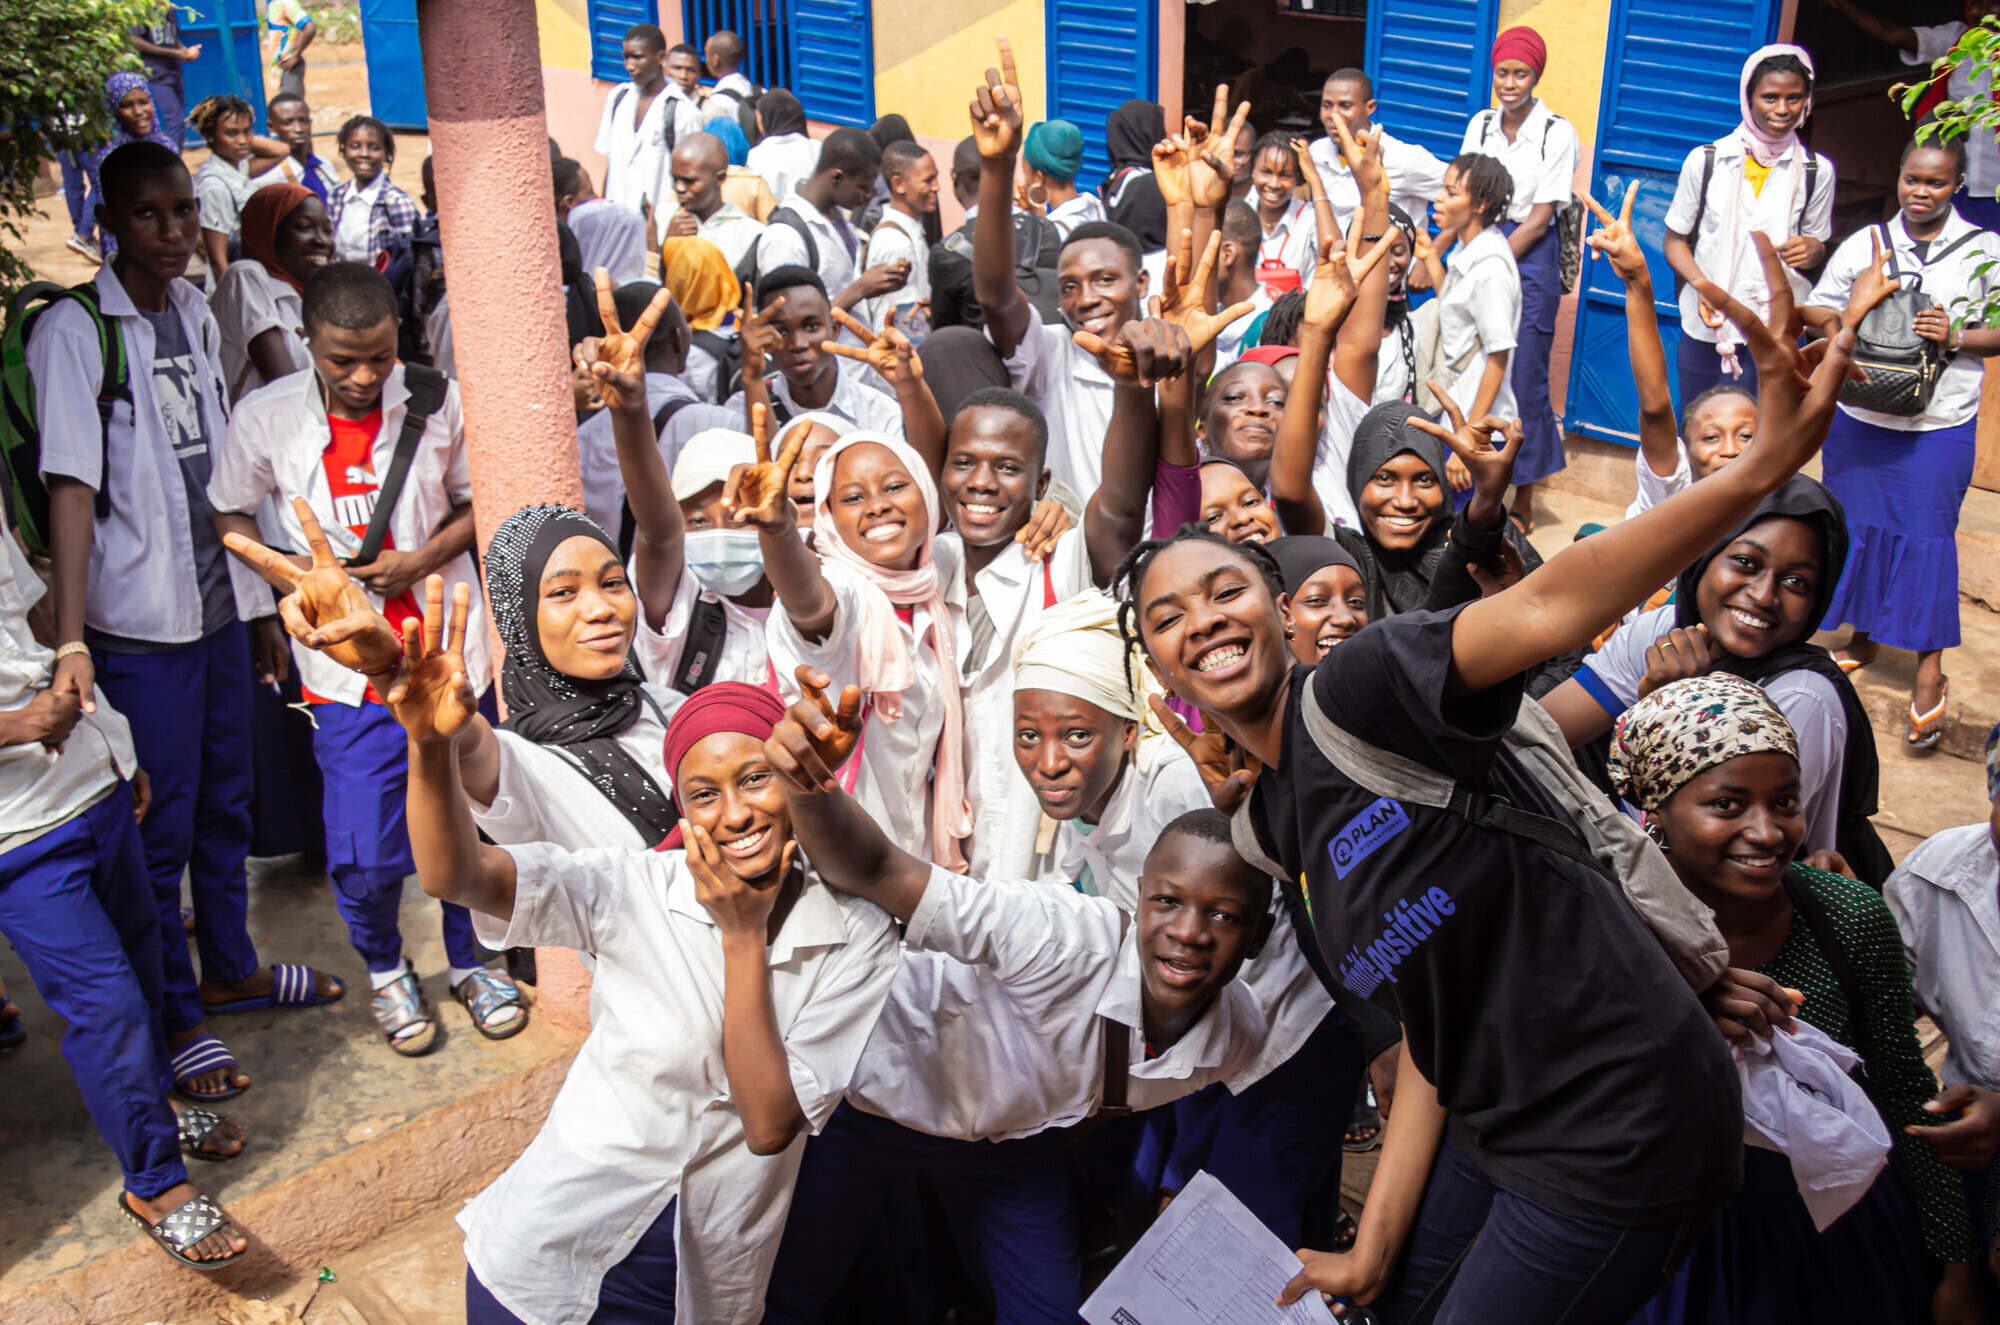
{"x":496,"y":214}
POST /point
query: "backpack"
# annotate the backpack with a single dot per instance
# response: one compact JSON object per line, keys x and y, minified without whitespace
{"x":20,"y":427}
{"x":661,"y":187}
{"x":746,"y":108}
{"x":1903,"y":368}
{"x":727,"y":351}
{"x":428,"y":388}
{"x":750,"y":266}
{"x":1568,"y":220}
{"x":1037,"y":245}
{"x":1701,"y":200}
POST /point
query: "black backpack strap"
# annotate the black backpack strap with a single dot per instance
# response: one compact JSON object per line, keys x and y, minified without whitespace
{"x":707,"y":625}
{"x":1485,"y":811}
{"x":790,"y":219}
{"x":779,"y":409}
{"x":1807,"y":905}
{"x":1701,"y":198}
{"x":427,"y":394}
{"x":668,"y":410}
{"x":1812,"y":176}
{"x":628,"y":526}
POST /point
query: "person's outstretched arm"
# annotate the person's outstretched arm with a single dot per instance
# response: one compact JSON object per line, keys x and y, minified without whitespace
{"x":846,"y":846}
{"x":890,"y":354}
{"x":1659,"y":438}
{"x":617,"y":360}
{"x":1590,"y":584}
{"x":1358,"y":335}
{"x":758,"y":497}
{"x":996,"y":126}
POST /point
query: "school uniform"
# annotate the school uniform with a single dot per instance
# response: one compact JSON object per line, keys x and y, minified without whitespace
{"x":1902,"y":478}
{"x":316,"y":173}
{"x":612,"y":236}
{"x":221,"y":188}
{"x":898,"y":237}
{"x":1235,"y":338}
{"x":992,"y":1039}
{"x":1292,"y":244}
{"x":839,"y":255}
{"x":544,"y":795}
{"x":597,"y":451}
{"x":644,"y":1124}
{"x":248,"y":302}
{"x":728,"y":227}
{"x":1344,"y":412}
{"x":1975,"y":201}
{"x":784,"y":161}
{"x":853,"y":399}
{"x":162,"y":607}
{"x":745,"y":656}
{"x":1415,"y":176}
{"x":76,"y":903}
{"x":1074,"y":393}
{"x":371,"y":220}
{"x":282,"y":445}
{"x":1542,"y":161}
{"x":1479,"y":315}
{"x":1080,"y":210}
{"x":636,"y":149}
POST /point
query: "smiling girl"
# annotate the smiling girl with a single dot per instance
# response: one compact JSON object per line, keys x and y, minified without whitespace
{"x":371,"y":216}
{"x":240,"y":162}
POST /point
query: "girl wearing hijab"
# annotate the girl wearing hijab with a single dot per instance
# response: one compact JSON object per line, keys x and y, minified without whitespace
{"x":786,"y":156}
{"x":133,"y":119}
{"x":1749,"y":607}
{"x":1714,"y":767}
{"x":1051,"y":156}
{"x":258,"y":303}
{"x":699,"y":277}
{"x":1540,"y":150}
{"x":1324,"y":588}
{"x":1131,"y":194}
{"x":1758,"y":177}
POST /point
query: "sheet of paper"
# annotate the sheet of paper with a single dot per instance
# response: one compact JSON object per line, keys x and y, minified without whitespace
{"x":1206,"y":1261}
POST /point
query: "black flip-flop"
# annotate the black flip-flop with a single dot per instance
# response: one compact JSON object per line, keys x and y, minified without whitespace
{"x":194,"y":1126}
{"x":185,"y":1227}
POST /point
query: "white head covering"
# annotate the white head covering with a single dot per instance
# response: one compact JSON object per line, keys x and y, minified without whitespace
{"x":708,"y":457}
{"x":1075,"y":648}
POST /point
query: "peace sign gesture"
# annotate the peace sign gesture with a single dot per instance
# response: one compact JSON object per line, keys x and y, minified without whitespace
{"x":326,"y":610}
{"x":1614,"y":240}
{"x":758,"y":496}
{"x":432,"y":697}
{"x":617,"y":359}
{"x":1491,"y":467}
{"x":1338,"y":275}
{"x":887,"y":351}
{"x":758,"y":334}
{"x":1363,"y":153}
{"x":815,"y":737}
{"x":996,"y":107}
{"x":1211,"y":151}
{"x":1872,"y":284}
{"x":1226,"y":770}
{"x":1181,"y":301}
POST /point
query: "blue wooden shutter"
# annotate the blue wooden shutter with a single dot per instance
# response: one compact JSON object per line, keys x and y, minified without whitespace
{"x":766,"y":35}
{"x":395,"y":63}
{"x":833,"y":60}
{"x":1101,"y":54}
{"x":609,"y":22}
{"x":1431,"y":62}
{"x":1670,"y":85}
{"x":231,"y":65}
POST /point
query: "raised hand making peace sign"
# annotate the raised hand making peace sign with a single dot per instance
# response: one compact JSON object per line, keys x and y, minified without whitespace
{"x":815,"y":737}
{"x":1211,"y":151}
{"x":758,"y":496}
{"x":431,"y":696}
{"x":617,"y":359}
{"x":1339,"y":273}
{"x":326,"y":610}
{"x":996,"y":107}
{"x":759,"y":335}
{"x":887,"y":351}
{"x":1614,"y":239}
{"x":1181,"y":300}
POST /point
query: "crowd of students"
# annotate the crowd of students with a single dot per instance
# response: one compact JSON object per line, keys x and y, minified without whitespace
{"x":1029,"y":714}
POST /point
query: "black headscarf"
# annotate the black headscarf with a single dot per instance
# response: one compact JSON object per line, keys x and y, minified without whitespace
{"x":1302,"y":556}
{"x":889,"y":129}
{"x":1130,"y":132}
{"x":957,"y":362}
{"x":1134,"y":200}
{"x":550,"y":707}
{"x":1806,"y":499}
{"x":781,"y":112}
{"x":1397,"y":580}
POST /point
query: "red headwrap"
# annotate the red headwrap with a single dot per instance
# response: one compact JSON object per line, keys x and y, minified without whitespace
{"x":1523,"y":44}
{"x":265,"y":211}
{"x":723,"y":706}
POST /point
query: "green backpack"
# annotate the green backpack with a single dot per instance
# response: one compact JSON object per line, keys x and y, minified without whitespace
{"x":25,"y":497}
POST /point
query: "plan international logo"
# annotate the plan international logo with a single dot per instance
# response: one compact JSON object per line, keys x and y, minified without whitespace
{"x":1364,"y":969}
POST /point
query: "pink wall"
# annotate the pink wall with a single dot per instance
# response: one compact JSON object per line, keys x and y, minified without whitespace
{"x":575,"y":103}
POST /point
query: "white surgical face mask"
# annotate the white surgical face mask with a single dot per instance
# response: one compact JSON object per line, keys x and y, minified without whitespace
{"x":726,"y":561}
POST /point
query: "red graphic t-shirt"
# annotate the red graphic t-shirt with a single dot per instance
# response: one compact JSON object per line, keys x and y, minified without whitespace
{"x":350,"y":474}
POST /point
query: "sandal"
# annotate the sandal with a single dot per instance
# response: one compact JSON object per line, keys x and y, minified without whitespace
{"x":494,"y":1003}
{"x":198,"y":1057}
{"x":13,"y":1031}
{"x":196,"y":1126}
{"x":1365,"y":1119}
{"x":404,"y":1016}
{"x":1925,"y":730}
{"x":183,"y":1228}
{"x":292,"y":986}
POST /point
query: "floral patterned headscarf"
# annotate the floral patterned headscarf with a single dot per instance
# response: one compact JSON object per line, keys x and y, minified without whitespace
{"x":1682,"y":730}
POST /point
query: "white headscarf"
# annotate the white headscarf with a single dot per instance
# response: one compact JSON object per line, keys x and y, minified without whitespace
{"x":1075,"y":648}
{"x":1766,"y":151}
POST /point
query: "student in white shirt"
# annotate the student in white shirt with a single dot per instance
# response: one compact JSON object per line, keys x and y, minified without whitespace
{"x":732,"y":995}
{"x":794,"y":323}
{"x":372,"y":218}
{"x":810,"y":227}
{"x":697,"y":208}
{"x":1414,"y":174}
{"x":286,"y":238}
{"x":1540,"y":151}
{"x":1479,"y":288}
{"x":640,"y":124}
{"x":1289,"y":247}
{"x":1236,"y":279}
{"x":1004,"y":1023}
{"x":609,"y":235}
{"x":1760,"y":177}
{"x":667,"y":395}
{"x":723,"y":54}
{"x":785,"y":156}
{"x":322,"y":441}
{"x":899,"y":239}
{"x":240,"y":162}
{"x":683,"y":69}
{"x":1051,"y":155}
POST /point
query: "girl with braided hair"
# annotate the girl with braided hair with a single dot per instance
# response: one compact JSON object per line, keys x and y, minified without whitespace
{"x":240,"y":162}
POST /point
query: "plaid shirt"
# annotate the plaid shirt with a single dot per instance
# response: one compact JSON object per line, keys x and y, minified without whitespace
{"x":391,"y":221}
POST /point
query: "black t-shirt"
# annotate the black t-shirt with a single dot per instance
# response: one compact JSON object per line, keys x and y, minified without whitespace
{"x":1577,"y":1067}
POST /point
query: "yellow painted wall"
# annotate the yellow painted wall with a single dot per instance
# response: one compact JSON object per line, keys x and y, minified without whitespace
{"x":1575,"y":31}
{"x":565,"y":34}
{"x":931,"y":54}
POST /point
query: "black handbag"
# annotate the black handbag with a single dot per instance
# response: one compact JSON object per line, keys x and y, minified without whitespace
{"x":1903,"y":368}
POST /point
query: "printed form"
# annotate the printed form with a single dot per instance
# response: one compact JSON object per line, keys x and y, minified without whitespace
{"x":1206,"y":1261}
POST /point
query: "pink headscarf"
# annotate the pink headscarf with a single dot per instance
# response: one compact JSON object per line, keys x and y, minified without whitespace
{"x":887,"y":669}
{"x":1762,"y":147}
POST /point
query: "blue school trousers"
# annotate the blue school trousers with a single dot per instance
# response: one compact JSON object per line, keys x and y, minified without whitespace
{"x":1008,"y":1204}
{"x":77,"y":905}
{"x":189,"y":707}
{"x":364,"y":767}
{"x":1541,"y":296}
{"x":639,"y":1290}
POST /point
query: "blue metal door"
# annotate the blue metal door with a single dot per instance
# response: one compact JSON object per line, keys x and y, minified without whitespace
{"x":395,"y":63}
{"x":609,"y":20}
{"x":833,"y":60}
{"x":1669,"y":86}
{"x":764,"y":25}
{"x":1101,"y":54}
{"x":230,"y":63}
{"x":1431,"y":63}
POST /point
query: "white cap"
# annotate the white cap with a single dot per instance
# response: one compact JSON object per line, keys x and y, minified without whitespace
{"x":708,"y":457}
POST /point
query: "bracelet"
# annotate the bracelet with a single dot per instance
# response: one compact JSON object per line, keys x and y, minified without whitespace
{"x":75,"y":646}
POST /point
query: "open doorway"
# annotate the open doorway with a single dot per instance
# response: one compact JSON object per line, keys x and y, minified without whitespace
{"x":1277,"y":53}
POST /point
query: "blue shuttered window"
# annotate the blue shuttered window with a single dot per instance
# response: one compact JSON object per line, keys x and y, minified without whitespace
{"x":1669,"y":85}
{"x":823,"y":51}
{"x":1101,"y":54}
{"x":1431,"y":62}
{"x":227,"y":67}
{"x":609,"y":22}
{"x":395,"y":63}
{"x":764,"y":25}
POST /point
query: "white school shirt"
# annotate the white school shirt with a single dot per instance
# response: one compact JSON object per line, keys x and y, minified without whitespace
{"x":897,"y":237}
{"x":597,"y":450}
{"x":781,"y":246}
{"x":1005,"y":812}
{"x":703,"y":370}
{"x":276,"y":448}
{"x":354,"y":236}
{"x":1293,"y":241}
{"x":785,"y":161}
{"x":1229,"y":344}
{"x":892,"y":779}
{"x":1775,"y":211}
{"x":1945,"y":904}
{"x":543,"y":794}
{"x":220,"y":190}
{"x":248,"y":302}
{"x":1415,"y":176}
{"x":1479,"y":310}
{"x":612,"y":236}
{"x":42,"y":789}
{"x":1080,"y":210}
{"x":853,"y":399}
{"x":1982,"y":152}
{"x":1541,"y":160}
{"x":728,"y":227}
{"x":1652,"y":489}
{"x":1344,"y":412}
{"x":745,"y":655}
{"x":1075,"y":395}
{"x":737,"y":83}
{"x":635,"y":156}
{"x":1955,"y":284}
{"x":994,"y":1025}
{"x":142,"y":579}
{"x":1392,"y":375}
{"x":645,"y":1114}
{"x":1807,"y":699}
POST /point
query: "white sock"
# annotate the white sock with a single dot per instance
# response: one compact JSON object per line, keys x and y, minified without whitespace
{"x":458,"y":974}
{"x":381,"y":980}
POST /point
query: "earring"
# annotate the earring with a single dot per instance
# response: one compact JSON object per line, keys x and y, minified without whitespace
{"x":1657,"y":836}
{"x":1042,"y":201}
{"x":1291,"y":632}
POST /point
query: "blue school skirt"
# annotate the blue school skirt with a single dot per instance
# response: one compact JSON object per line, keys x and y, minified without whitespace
{"x":1541,"y":295}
